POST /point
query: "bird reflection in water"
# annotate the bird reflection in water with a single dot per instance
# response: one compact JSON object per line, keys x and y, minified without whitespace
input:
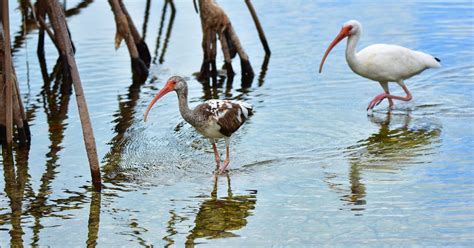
{"x":218,"y":217}
{"x":397,"y":144}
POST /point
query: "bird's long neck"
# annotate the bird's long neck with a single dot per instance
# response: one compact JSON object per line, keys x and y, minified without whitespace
{"x":351,"y":56}
{"x":186,"y":113}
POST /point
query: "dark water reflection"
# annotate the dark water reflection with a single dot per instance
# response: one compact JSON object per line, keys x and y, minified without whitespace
{"x":94,"y":219}
{"x":325,"y":173}
{"x":218,"y":217}
{"x":24,"y":202}
{"x":15,"y":183}
{"x":124,"y":119}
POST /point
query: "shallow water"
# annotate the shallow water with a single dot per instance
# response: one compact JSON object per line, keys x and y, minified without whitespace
{"x":310,"y":167}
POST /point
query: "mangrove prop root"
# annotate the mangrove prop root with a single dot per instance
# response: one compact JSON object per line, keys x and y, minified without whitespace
{"x":124,"y":32}
{"x":11,"y":106}
{"x":261,"y":33}
{"x":142,"y":48}
{"x":58,"y":22}
{"x":215,"y":23}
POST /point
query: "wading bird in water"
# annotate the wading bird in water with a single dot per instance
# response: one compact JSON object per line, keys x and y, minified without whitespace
{"x":381,"y":62}
{"x":214,"y":119}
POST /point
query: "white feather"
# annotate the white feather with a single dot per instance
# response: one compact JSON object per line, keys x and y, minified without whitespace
{"x":382,"y":62}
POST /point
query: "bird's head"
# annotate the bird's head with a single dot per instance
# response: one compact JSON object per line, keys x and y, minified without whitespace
{"x":175,"y":83}
{"x":349,"y":28}
{"x":352,"y":26}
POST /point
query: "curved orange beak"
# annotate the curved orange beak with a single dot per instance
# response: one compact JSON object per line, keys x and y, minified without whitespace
{"x":345,"y":31}
{"x":167,"y":89}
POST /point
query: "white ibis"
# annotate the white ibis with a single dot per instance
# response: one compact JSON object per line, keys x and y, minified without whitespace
{"x":214,"y":119}
{"x":381,"y":62}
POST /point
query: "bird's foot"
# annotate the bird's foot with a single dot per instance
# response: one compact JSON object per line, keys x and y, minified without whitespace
{"x":219,"y":171}
{"x":222,"y":170}
{"x":377,"y":100}
{"x":224,"y":166}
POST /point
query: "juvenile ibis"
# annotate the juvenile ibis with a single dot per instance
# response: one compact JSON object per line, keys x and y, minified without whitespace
{"x":214,"y":119}
{"x":381,"y":62}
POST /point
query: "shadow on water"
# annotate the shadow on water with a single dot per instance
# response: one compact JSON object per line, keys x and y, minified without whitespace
{"x":397,"y":143}
{"x":217,"y":217}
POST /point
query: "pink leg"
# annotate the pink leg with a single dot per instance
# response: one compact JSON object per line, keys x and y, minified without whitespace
{"x":390,"y":101}
{"x":377,"y":99}
{"x":216,"y":155}
{"x":227,"y":160}
{"x":387,"y":90}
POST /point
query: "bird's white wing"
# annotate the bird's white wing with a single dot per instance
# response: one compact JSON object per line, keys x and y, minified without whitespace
{"x":381,"y":62}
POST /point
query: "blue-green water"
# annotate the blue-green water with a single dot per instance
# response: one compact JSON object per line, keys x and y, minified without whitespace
{"x":309,"y":168}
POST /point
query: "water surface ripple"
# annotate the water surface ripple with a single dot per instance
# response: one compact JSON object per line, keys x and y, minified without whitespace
{"x":310,"y":167}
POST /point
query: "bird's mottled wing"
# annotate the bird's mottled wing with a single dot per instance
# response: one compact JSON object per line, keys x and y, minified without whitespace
{"x":229,"y":115}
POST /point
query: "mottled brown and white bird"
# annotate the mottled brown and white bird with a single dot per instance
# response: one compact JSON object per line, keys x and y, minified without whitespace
{"x":381,"y":62}
{"x":214,"y":119}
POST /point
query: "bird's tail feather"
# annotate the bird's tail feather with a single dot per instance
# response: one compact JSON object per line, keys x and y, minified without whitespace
{"x":428,"y":60}
{"x":435,"y":63}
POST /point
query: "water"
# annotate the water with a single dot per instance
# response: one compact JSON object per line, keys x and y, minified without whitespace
{"x":309,"y":168}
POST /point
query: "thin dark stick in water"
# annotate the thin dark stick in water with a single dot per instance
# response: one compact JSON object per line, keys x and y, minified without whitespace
{"x":58,"y":21}
{"x":261,"y":33}
{"x":168,"y":31}
{"x":160,"y":30}
{"x":7,"y":74}
{"x":145,"y":21}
